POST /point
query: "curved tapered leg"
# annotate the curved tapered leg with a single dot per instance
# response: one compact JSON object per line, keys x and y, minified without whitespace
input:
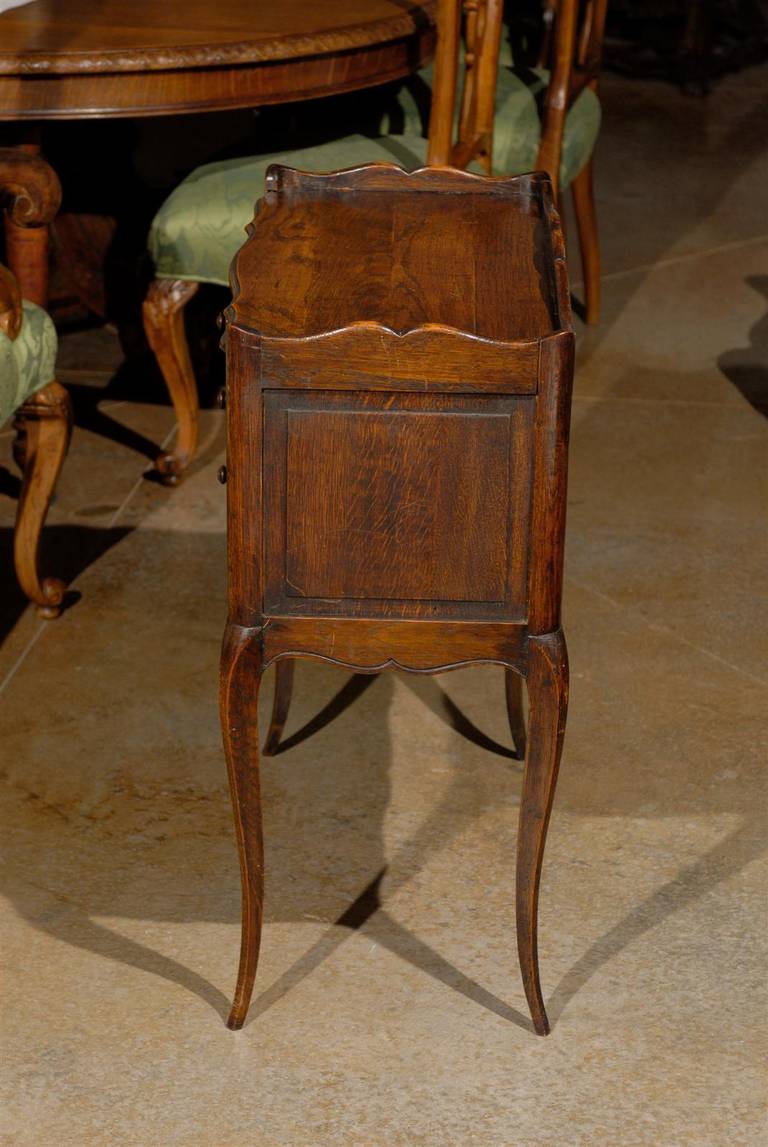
{"x":44,"y":426}
{"x":163,"y":313}
{"x":548,"y":700}
{"x":239,"y":680}
{"x":514,"y":686}
{"x":586,"y":223}
{"x":280,"y":705}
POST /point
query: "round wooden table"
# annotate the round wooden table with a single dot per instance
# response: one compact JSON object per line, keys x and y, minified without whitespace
{"x":73,"y":59}
{"x":70,"y":59}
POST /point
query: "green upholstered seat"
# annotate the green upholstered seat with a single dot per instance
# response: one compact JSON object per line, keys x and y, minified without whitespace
{"x":201,"y":225}
{"x":517,"y":126}
{"x":27,"y":363}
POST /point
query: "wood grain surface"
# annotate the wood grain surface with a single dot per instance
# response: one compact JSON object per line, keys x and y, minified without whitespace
{"x":386,"y":514}
{"x":117,"y":58}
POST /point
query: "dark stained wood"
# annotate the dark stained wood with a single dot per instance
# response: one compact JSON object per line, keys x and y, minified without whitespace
{"x":280,"y":705}
{"x":550,"y":466}
{"x":514,"y":690}
{"x":478,"y":364}
{"x":240,"y":678}
{"x":467,"y":516}
{"x":368,"y":645}
{"x":548,"y":696}
{"x":379,"y":501}
{"x":403,"y":518}
{"x":408,"y":280}
{"x":79,"y":60}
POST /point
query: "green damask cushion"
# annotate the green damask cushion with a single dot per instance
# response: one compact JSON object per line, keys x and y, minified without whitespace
{"x":201,"y":225}
{"x":28,"y":362}
{"x":517,"y":128}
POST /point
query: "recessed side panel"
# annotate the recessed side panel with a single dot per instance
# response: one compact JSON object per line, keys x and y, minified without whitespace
{"x":403,"y":505}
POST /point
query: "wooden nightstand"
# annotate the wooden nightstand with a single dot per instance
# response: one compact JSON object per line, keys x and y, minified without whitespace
{"x":400,"y":361}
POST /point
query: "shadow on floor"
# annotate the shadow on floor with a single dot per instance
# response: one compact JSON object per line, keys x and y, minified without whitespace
{"x":316,"y":849}
{"x":747,"y":367}
{"x":66,"y":552}
{"x":342,"y":826}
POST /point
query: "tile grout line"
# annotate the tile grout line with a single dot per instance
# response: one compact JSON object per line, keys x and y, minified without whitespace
{"x":674,"y":260}
{"x":137,"y":484}
{"x":666,"y":631}
{"x":45,"y":624}
{"x":716,"y":404}
{"x":22,"y":657}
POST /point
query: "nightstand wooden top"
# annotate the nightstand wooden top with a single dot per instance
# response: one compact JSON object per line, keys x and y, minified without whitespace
{"x":404,"y":252}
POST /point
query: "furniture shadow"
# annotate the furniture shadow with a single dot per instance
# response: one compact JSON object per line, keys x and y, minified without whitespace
{"x":747,"y":367}
{"x":326,"y":802}
{"x":341,"y":829}
{"x":722,"y":862}
{"x":67,"y":551}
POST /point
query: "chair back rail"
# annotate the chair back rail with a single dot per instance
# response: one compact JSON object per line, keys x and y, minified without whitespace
{"x":573,"y":44}
{"x":482,"y":22}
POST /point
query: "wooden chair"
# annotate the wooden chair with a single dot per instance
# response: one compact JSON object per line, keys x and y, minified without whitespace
{"x":547,"y":111}
{"x":30,"y":192}
{"x":575,"y":58}
{"x":200,"y":226}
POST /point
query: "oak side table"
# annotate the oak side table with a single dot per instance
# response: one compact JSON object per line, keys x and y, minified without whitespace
{"x":399,"y":371}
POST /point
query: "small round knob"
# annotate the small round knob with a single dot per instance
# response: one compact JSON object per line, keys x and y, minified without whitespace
{"x":221,"y":398}
{"x":222,"y":475}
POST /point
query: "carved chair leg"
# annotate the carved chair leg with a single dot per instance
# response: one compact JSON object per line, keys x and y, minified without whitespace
{"x":240,"y":678}
{"x":514,"y":683}
{"x":548,"y":698}
{"x":586,"y":223}
{"x":280,"y":705}
{"x":164,"y":327}
{"x":44,"y":427}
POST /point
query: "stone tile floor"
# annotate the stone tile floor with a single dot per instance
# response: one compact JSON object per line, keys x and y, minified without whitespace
{"x":121,"y":894}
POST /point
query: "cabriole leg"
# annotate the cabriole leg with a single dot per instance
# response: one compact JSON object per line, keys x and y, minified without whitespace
{"x":583,"y":192}
{"x":280,"y":705}
{"x":239,"y":681}
{"x":163,"y":312}
{"x":514,"y":685}
{"x":548,"y":701}
{"x":43,"y":426}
